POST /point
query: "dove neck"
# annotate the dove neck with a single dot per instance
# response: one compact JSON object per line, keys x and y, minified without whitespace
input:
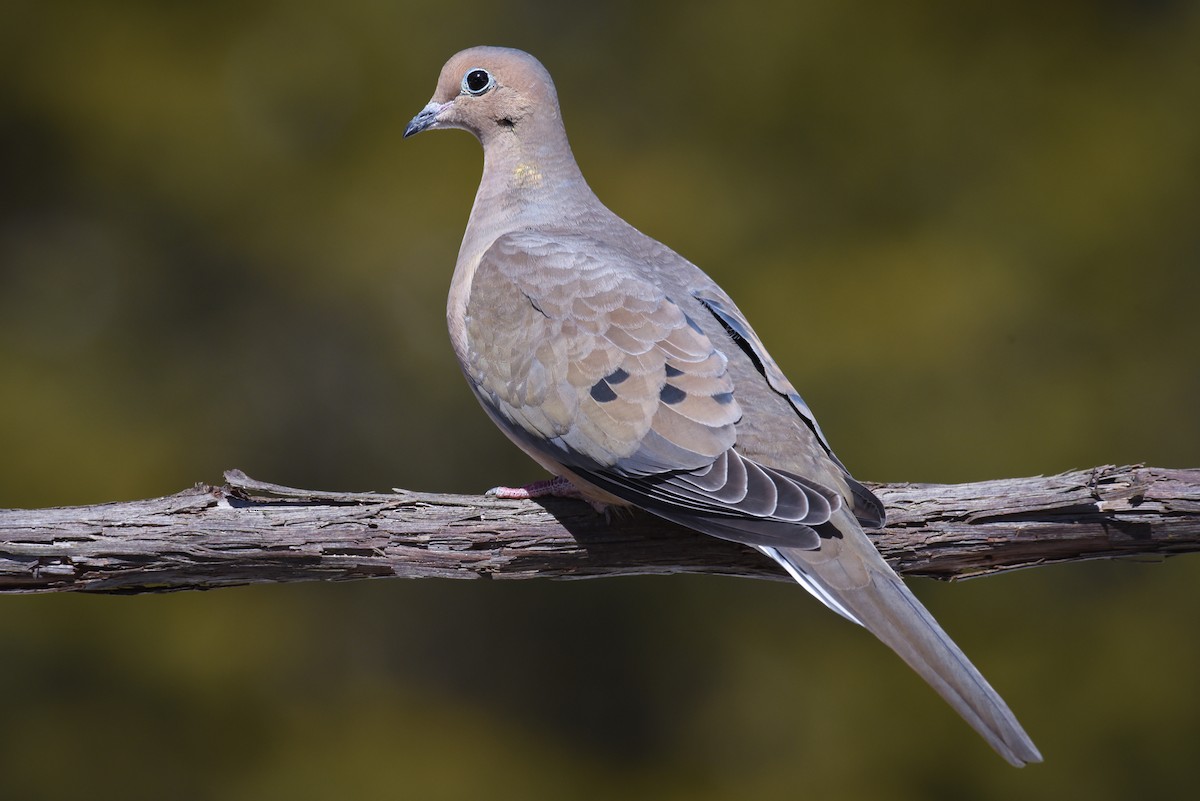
{"x":526,"y":186}
{"x":531,"y":175}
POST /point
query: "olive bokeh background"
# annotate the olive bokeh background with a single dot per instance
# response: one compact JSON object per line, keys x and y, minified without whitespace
{"x":970,"y":236}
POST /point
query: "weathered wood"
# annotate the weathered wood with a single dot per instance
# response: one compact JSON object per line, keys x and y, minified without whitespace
{"x":249,"y":532}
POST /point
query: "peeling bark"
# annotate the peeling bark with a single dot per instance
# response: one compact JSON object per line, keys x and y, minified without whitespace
{"x":247,"y":532}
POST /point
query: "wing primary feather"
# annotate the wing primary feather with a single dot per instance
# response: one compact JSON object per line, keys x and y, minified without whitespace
{"x":868,"y":508}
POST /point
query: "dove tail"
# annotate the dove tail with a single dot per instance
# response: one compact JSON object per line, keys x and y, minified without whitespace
{"x":886,"y":608}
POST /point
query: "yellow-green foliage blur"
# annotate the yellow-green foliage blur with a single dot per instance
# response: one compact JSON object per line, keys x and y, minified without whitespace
{"x":971,"y":237}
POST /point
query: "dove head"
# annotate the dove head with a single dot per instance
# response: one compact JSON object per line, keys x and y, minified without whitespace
{"x":495,"y":93}
{"x":507,"y":100}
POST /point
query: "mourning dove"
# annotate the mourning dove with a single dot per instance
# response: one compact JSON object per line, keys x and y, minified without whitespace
{"x":622,"y":368}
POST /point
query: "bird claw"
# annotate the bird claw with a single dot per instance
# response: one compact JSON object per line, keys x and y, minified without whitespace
{"x":557,"y":487}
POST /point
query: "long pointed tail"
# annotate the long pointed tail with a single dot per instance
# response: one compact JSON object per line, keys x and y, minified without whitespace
{"x":860,"y":586}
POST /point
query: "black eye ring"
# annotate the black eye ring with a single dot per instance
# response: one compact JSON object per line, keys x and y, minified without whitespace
{"x":477,"y":81}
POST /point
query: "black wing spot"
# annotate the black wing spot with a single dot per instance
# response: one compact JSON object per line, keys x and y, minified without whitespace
{"x":673,"y":371}
{"x":723,"y":398}
{"x":617,"y":376}
{"x":601,"y":392}
{"x":693,"y":324}
{"x":671,"y":395}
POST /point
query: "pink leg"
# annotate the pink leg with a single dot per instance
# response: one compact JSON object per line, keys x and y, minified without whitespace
{"x":557,"y":487}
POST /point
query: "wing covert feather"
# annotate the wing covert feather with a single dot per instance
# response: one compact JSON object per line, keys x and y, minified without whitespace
{"x":573,"y":345}
{"x":589,"y":364}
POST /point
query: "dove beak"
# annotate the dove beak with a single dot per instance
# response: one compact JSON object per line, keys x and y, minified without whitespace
{"x":426,"y":118}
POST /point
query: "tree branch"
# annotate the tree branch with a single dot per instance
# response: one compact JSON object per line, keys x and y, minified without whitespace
{"x":250,"y":532}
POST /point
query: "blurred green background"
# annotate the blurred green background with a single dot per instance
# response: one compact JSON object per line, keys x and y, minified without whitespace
{"x":970,"y":236}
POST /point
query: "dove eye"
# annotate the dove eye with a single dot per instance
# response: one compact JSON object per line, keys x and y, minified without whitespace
{"x":477,"y":81}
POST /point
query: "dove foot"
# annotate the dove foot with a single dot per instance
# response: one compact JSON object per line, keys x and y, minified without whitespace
{"x":556,"y":487}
